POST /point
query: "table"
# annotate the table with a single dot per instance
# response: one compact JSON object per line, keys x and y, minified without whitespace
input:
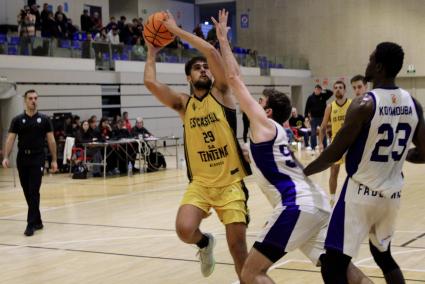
{"x":119,"y":144}
{"x":165,"y":138}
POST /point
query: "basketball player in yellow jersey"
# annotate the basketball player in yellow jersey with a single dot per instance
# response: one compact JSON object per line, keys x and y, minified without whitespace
{"x":359,"y":85}
{"x":335,"y":113}
{"x":214,"y":159}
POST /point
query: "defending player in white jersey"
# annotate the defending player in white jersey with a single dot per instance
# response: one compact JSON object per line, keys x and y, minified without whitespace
{"x":378,"y":130}
{"x":301,"y":208}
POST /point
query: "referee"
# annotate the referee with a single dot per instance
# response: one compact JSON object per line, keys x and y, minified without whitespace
{"x":32,"y":128}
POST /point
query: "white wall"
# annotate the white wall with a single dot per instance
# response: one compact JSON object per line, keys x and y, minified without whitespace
{"x":184,"y":13}
{"x":39,"y":62}
{"x":9,"y":9}
{"x":127,"y":8}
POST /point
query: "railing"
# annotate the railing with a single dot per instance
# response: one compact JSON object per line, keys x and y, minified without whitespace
{"x":105,"y":53}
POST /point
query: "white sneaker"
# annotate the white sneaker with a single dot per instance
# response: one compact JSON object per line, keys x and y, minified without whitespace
{"x":206,"y":257}
{"x":308,"y":148}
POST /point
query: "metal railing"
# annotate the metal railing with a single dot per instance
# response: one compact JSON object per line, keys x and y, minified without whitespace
{"x":106,"y":53}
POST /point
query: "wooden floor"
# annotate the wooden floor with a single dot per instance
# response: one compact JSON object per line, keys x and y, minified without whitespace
{"x":121,"y":230}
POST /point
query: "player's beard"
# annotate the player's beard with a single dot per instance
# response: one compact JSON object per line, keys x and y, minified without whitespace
{"x":202,"y":84}
{"x":338,"y":95}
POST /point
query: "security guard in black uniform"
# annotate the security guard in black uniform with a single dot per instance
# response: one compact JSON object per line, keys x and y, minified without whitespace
{"x":32,"y":128}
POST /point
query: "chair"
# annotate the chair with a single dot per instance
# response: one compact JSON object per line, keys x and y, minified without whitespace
{"x":3,"y":38}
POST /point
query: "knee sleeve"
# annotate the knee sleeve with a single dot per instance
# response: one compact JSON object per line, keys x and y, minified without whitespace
{"x":334,"y":266}
{"x":384,"y":259}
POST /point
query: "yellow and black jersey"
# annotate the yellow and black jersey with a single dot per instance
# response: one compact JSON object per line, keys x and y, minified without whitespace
{"x":338,"y":113}
{"x":213,"y":155}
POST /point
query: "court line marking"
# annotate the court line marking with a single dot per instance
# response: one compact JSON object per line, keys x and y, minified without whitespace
{"x":392,"y":253}
{"x":97,"y":200}
{"x":182,"y":259}
{"x":413,"y":240}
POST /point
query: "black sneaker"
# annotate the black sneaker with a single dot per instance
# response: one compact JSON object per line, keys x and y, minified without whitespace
{"x":38,"y":227}
{"x":29,"y":231}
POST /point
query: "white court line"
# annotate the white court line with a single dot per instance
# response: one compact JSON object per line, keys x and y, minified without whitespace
{"x":392,"y":253}
{"x":86,"y":241}
{"x":93,"y":201}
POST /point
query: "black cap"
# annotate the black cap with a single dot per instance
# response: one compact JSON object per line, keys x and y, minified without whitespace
{"x":318,"y":86}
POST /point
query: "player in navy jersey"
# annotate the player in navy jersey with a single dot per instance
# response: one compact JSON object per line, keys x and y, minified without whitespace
{"x":301,"y":208}
{"x":378,"y":130}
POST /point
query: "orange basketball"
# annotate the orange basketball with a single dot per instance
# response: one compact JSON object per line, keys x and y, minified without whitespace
{"x":155,"y":32}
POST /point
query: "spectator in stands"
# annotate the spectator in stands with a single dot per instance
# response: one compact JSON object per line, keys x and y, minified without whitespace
{"x":296,"y":121}
{"x":85,"y":135}
{"x":126,"y":33}
{"x":26,"y":22}
{"x":67,"y":128}
{"x":139,"y":129}
{"x":112,"y":22}
{"x":43,"y":18}
{"x":113,"y":36}
{"x":76,"y":125}
{"x":34,"y":11}
{"x":105,"y":129}
{"x":86,"y":21}
{"x":115,"y":121}
{"x":126,"y":120}
{"x":137,"y":34}
{"x":62,"y":25}
{"x":59,"y":11}
{"x":121,"y":23}
{"x":212,"y":37}
{"x":86,"y":48}
{"x":52,"y":28}
{"x":198,"y":31}
{"x":71,"y":29}
{"x":97,"y":22}
{"x":101,"y":36}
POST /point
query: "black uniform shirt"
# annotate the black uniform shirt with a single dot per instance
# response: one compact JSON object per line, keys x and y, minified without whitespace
{"x":31,"y":131}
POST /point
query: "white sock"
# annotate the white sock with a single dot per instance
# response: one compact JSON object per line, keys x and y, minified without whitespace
{"x":332,"y":197}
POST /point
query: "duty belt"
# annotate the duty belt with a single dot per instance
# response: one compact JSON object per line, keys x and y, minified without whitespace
{"x":31,"y":151}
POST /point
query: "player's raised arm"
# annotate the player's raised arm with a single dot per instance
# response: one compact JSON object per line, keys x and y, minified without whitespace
{"x":213,"y":56}
{"x":417,"y":155}
{"x":164,"y":94}
{"x":358,"y":114}
{"x":262,"y":128}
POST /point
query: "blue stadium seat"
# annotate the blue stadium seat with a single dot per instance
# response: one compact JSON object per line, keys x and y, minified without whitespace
{"x":76,"y":45}
{"x":14,"y":40}
{"x":3,"y":38}
{"x":76,"y":36}
{"x":115,"y":56}
{"x":64,"y":44}
{"x":83,"y":37}
{"x":12,"y":50}
{"x":124,"y":56}
{"x":280,"y":66}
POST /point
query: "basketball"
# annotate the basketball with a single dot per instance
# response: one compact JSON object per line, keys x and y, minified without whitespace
{"x":155,"y":31}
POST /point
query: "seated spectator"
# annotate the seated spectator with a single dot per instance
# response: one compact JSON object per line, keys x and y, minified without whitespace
{"x":84,"y":135}
{"x":138,"y":129}
{"x":105,"y":129}
{"x":68,"y":131}
{"x":126,"y":120}
{"x":94,"y":130}
{"x":297,"y":122}
{"x":71,"y":29}
{"x":122,"y":130}
{"x":76,"y":125}
{"x":115,"y":122}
